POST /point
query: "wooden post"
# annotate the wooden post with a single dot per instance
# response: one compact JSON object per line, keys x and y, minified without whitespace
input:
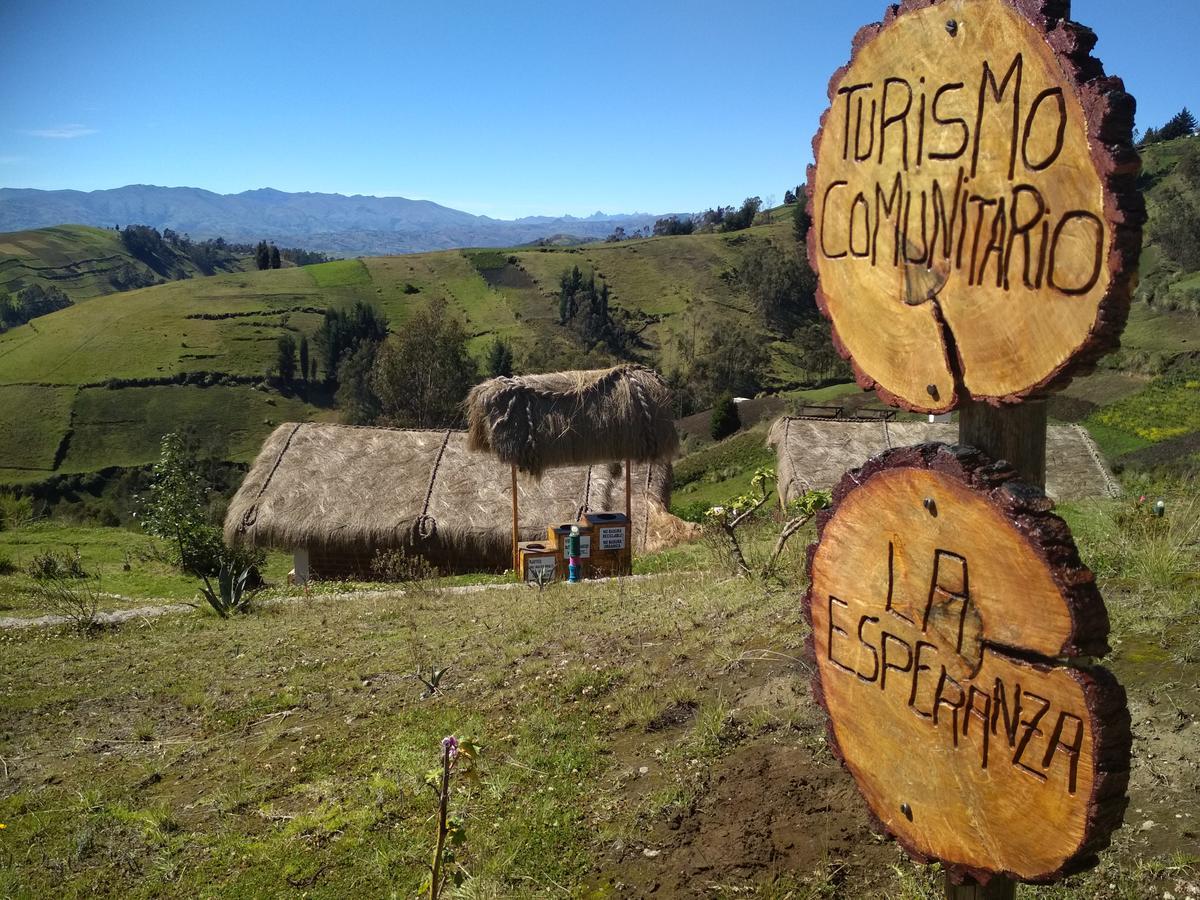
{"x":1016,"y":434}
{"x":629,"y":499}
{"x":997,"y":889}
{"x":516,"y":529}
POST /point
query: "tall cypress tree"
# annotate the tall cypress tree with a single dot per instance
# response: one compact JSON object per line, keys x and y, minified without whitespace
{"x":304,"y":356}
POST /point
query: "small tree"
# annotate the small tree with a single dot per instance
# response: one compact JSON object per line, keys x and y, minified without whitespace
{"x":274,"y":259}
{"x":422,"y":375}
{"x":262,"y":256}
{"x":304,"y":370}
{"x":1182,"y":124}
{"x":285,"y":364}
{"x":801,"y":221}
{"x":738,"y":511}
{"x":355,"y":393}
{"x":500,"y":359}
{"x":725,"y":418}
{"x":174,"y":509}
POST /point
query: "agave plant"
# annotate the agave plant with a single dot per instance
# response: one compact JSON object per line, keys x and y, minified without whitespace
{"x":230,"y":595}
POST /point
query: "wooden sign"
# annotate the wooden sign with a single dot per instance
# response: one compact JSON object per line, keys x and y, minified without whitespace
{"x":976,"y":223}
{"x":949,"y":615}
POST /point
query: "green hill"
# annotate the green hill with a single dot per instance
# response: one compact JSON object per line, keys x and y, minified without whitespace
{"x":85,"y":262}
{"x":106,"y":378}
{"x":1171,"y":255}
{"x":91,"y":388}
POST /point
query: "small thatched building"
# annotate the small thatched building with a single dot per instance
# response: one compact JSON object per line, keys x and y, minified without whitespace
{"x":336,"y":495}
{"x":538,"y":422}
{"x":813,"y":454}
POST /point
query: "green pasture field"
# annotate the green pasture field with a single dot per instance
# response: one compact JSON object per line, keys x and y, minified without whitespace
{"x":105,"y":552}
{"x":227,"y":423}
{"x":638,"y":737}
{"x":153,"y":332}
{"x":35,"y":419}
{"x":1167,"y":408}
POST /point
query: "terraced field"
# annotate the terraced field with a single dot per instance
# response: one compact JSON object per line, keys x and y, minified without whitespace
{"x":81,"y":261}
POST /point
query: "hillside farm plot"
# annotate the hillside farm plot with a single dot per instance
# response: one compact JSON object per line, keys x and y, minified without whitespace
{"x":74,"y":258}
{"x":158,"y":331}
{"x":340,"y":273}
{"x":1168,"y":408}
{"x":124,"y":426}
{"x":654,"y":276}
{"x":83,"y":262}
{"x":33,"y":419}
{"x":1164,"y":332}
{"x":484,"y":311}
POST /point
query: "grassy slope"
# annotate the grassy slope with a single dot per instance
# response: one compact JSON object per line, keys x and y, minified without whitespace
{"x":677,"y":287}
{"x":104,"y":552}
{"x":275,"y":754}
{"x":157,"y":332}
{"x":145,"y":334}
{"x":77,"y":259}
{"x":1161,"y":279}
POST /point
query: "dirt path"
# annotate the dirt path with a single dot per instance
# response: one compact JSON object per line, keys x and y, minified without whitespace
{"x":164,"y":607}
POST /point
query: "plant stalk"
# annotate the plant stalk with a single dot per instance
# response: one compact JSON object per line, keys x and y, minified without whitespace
{"x":435,"y":881}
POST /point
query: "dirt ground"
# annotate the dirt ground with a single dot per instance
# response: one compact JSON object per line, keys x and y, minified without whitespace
{"x":779,"y":806}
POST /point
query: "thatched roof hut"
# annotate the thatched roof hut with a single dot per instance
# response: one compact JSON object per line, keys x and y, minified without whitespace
{"x":813,"y":454}
{"x":343,"y":494}
{"x":538,"y":422}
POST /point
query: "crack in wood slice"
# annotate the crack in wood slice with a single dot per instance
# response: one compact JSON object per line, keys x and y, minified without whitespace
{"x":949,"y":613}
{"x":976,"y":217}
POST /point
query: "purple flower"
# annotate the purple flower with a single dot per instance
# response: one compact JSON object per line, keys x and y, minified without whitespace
{"x":450,"y":746}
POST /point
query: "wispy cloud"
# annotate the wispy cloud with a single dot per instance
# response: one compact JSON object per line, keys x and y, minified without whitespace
{"x":62,"y":132}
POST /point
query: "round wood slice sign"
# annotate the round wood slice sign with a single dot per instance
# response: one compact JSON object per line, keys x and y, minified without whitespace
{"x":976,"y":220}
{"x":950,"y":614}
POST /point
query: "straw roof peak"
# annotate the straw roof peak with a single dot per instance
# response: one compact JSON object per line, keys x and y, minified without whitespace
{"x":538,"y":422}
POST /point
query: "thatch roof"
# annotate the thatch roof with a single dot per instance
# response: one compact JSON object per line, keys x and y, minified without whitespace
{"x":813,"y":454}
{"x":343,"y":489}
{"x":538,"y":422}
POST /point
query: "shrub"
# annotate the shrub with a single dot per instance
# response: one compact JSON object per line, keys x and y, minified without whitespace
{"x":725,"y":418}
{"x":231,"y":594}
{"x":176,"y":512}
{"x":77,"y":602}
{"x":15,"y":512}
{"x":7,"y":566}
{"x":399,"y":566}
{"x":56,"y":566}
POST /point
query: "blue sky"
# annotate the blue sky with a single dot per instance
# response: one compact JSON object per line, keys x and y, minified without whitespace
{"x":501,"y":109}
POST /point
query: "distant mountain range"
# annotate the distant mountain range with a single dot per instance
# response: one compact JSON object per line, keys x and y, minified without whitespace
{"x":333,"y":223}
